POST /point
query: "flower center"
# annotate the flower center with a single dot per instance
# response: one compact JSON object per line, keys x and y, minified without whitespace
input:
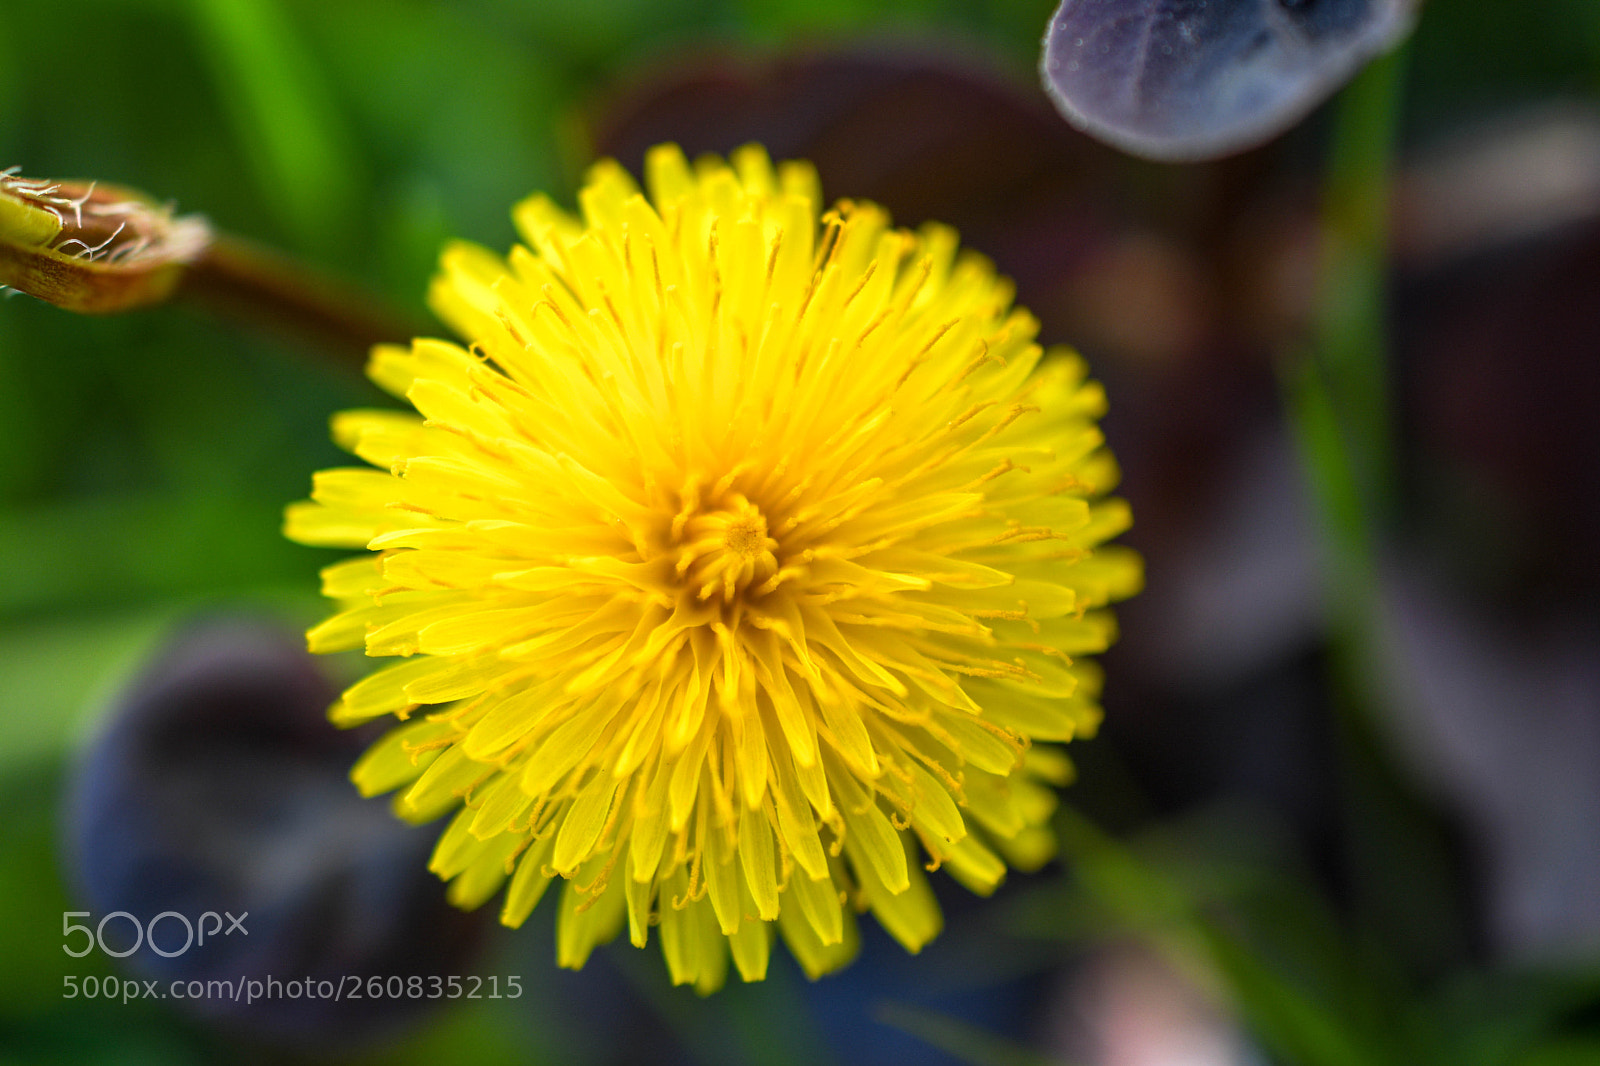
{"x":726,"y":549}
{"x":746,"y":535}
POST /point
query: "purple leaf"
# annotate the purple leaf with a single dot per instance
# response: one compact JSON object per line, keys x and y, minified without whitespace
{"x":1182,"y":80}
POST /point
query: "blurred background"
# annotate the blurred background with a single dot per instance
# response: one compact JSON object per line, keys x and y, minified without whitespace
{"x":1344,"y":806}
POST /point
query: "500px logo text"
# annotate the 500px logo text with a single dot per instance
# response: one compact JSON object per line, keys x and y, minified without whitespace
{"x":193,"y":933}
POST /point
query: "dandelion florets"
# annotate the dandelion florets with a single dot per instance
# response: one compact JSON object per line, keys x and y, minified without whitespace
{"x":741,"y":569}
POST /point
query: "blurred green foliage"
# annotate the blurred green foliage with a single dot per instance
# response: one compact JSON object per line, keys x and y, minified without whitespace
{"x":146,"y":459}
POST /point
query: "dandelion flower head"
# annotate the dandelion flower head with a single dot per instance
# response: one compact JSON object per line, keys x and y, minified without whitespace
{"x":739,"y":570}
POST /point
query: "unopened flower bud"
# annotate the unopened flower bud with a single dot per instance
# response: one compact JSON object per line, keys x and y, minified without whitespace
{"x":91,"y":247}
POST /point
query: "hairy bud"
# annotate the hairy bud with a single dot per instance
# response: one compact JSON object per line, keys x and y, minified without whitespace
{"x":91,"y":247}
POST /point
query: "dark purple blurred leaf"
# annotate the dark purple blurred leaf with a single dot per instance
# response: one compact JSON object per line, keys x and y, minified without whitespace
{"x":1500,"y":388}
{"x":926,"y":134}
{"x":936,"y":137}
{"x":1501,"y":715}
{"x":219,"y":785}
{"x":1182,"y":80}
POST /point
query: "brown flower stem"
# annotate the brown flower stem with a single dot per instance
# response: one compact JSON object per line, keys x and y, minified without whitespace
{"x":244,"y":280}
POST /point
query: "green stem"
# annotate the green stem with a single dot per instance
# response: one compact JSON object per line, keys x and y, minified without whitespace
{"x":1338,"y":394}
{"x":1351,"y":344}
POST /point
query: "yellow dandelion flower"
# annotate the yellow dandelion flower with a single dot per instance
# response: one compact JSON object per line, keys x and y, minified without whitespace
{"x":740,"y":569}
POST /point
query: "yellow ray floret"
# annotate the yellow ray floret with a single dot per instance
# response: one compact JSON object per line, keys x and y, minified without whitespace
{"x":739,"y":569}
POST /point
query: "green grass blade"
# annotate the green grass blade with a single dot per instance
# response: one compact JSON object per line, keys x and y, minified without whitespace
{"x":285,"y":117}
